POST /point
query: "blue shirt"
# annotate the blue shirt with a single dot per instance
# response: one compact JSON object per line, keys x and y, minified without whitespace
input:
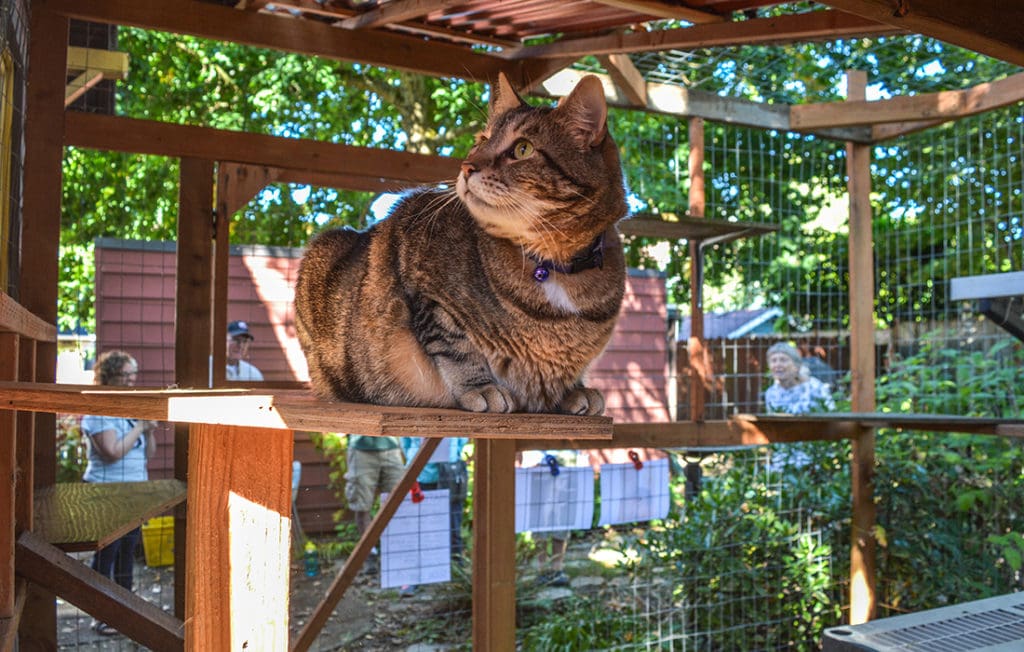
{"x":410,"y":445}
{"x":130,"y":468}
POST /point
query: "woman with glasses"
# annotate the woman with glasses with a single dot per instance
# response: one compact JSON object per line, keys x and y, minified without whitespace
{"x":118,"y":451}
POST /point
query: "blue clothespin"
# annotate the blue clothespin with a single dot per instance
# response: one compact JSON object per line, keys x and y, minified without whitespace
{"x":552,"y":462}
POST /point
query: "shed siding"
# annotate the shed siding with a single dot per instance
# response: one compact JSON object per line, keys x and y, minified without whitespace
{"x":135,"y":284}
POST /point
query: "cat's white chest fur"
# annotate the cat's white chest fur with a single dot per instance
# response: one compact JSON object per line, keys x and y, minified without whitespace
{"x":558,"y":297}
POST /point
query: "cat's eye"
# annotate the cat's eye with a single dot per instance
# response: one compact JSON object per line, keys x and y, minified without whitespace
{"x":522,"y":149}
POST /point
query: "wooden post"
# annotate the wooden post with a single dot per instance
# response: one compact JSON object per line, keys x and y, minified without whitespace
{"x":40,"y":240}
{"x":238,"y":543}
{"x":696,"y":350}
{"x":863,"y":600}
{"x":494,"y":546}
{"x":192,"y":334}
{"x":8,"y":480}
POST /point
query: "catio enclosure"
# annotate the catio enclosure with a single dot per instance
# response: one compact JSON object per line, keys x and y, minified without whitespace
{"x":760,"y":177}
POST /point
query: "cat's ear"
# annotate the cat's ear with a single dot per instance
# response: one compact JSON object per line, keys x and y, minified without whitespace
{"x":503,"y":97}
{"x":585,"y":111}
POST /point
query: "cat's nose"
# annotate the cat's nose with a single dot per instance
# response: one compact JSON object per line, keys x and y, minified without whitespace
{"x":468,"y":169}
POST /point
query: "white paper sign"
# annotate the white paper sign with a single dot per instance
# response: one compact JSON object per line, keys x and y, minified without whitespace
{"x":415,"y":547}
{"x":629,"y":495}
{"x":546,"y":502}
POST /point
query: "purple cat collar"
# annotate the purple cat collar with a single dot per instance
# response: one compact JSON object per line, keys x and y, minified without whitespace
{"x":592,"y":257}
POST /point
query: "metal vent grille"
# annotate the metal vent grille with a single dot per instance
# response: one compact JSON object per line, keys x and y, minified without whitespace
{"x":990,"y":625}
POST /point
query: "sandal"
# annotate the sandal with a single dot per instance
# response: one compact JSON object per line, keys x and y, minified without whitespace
{"x":103,"y":629}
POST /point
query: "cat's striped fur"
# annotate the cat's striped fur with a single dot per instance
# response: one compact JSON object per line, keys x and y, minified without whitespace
{"x":438,"y":304}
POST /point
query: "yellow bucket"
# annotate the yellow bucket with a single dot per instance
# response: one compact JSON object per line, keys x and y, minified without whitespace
{"x":158,"y":541}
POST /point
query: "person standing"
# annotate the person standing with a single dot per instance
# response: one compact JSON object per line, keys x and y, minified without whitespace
{"x":239,"y":342}
{"x":375,"y":466}
{"x":794,"y":390}
{"x":118,"y":450}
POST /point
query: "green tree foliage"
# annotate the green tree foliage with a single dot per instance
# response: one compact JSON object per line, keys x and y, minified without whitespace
{"x":191,"y":81}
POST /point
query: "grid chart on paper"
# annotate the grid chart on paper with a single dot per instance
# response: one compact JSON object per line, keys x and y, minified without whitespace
{"x":546,"y":502}
{"x":416,"y":545}
{"x":630,"y":495}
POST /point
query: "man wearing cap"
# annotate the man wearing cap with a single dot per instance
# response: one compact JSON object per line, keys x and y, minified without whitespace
{"x":239,"y":340}
{"x":794,"y":391}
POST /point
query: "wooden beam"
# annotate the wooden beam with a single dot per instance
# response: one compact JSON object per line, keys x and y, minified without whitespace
{"x":340,"y":13}
{"x":78,"y":86}
{"x":986,"y":286}
{"x":238,"y":184}
{"x":938,"y":107}
{"x":675,"y":100}
{"x":991,"y":27}
{"x":664,"y":10}
{"x":95,"y":131}
{"x":37,"y":280}
{"x":207,"y":20}
{"x":395,"y":12}
{"x":194,"y":304}
{"x":627,"y":78}
{"x":494,"y":546}
{"x":101,"y":597}
{"x":293,"y":410}
{"x":14,"y":318}
{"x":110,"y":62}
{"x":793,"y":28}
{"x":698,"y":357}
{"x":9,"y":358}
{"x":863,"y":596}
{"x":676,"y":227}
{"x":889,"y":131}
{"x":239,"y":502}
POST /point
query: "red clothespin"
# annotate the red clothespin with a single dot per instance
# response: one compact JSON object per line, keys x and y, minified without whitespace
{"x":417,"y":493}
{"x":635,"y":456}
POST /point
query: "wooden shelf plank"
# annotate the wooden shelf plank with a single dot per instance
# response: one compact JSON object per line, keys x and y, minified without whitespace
{"x":77,"y":516}
{"x":692,"y":228}
{"x":293,"y":410}
{"x":761,"y":429}
{"x":924,"y":422}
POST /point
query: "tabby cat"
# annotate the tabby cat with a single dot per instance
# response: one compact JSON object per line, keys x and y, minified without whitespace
{"x":492,"y":297}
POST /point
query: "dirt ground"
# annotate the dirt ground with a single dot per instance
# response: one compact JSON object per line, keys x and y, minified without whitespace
{"x":367,"y":619}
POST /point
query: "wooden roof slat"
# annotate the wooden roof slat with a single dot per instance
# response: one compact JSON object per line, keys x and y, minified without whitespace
{"x":664,"y":10}
{"x":394,"y":12}
{"x":292,"y":410}
{"x":811,"y":26}
{"x":267,"y":30}
{"x":991,"y":27}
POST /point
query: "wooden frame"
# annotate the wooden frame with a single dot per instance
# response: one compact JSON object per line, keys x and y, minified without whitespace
{"x":225,"y":422}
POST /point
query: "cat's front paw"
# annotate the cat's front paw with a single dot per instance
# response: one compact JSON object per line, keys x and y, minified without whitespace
{"x":583,"y":401}
{"x":489,"y":398}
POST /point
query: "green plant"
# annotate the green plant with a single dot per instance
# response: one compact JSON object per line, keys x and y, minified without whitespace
{"x":581,"y":624}
{"x":72,"y":450}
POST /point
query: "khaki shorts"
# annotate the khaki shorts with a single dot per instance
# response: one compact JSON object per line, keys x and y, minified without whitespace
{"x":371,"y":473}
